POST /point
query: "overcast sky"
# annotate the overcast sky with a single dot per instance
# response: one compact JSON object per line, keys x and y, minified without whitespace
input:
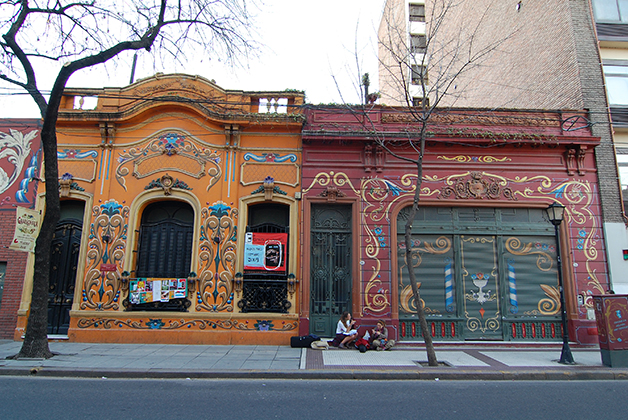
{"x":306,"y":43}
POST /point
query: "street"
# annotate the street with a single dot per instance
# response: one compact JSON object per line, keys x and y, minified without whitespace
{"x":55,"y":398}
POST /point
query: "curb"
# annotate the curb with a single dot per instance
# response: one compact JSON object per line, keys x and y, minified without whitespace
{"x":344,"y":374}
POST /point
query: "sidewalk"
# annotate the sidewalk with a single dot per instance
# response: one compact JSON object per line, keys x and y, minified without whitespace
{"x":462,"y":362}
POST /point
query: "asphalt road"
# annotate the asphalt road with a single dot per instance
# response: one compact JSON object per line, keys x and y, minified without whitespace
{"x":54,"y":398}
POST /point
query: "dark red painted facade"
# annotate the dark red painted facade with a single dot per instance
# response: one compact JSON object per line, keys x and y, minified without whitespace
{"x":20,"y":159}
{"x":475,"y":159}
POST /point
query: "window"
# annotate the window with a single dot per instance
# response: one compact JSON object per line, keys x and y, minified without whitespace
{"x":417,"y":13}
{"x":611,"y":10}
{"x":418,"y":102}
{"x":419,"y":72}
{"x":165,"y":243}
{"x":418,"y":43}
{"x":622,"y":163}
{"x":616,"y":83}
{"x":266,"y":260}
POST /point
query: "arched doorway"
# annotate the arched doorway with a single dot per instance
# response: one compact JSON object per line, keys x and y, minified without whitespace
{"x":64,"y":253}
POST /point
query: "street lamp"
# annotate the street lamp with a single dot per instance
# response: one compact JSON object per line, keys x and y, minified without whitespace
{"x":555,"y":213}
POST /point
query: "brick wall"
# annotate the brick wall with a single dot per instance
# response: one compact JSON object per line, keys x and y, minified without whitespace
{"x":594,"y":98}
{"x":14,"y":278}
{"x":530,"y":59}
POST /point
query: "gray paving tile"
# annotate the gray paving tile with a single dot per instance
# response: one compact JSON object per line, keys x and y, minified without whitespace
{"x":256,"y":365}
{"x":282,"y":365}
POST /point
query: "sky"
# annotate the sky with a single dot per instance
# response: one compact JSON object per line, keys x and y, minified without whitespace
{"x":305,"y":45}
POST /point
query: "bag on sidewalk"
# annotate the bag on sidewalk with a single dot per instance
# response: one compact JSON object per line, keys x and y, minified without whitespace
{"x":362,"y":345}
{"x":319,"y":345}
{"x":303,"y":341}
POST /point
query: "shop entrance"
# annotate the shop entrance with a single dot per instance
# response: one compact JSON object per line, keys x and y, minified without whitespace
{"x":330,"y":266}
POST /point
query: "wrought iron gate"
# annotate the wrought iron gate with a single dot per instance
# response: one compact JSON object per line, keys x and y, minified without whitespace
{"x":330,"y":266}
{"x":63,"y":262}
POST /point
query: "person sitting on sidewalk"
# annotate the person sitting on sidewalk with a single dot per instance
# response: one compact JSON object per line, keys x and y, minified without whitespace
{"x":345,"y":332}
{"x":379,"y":337}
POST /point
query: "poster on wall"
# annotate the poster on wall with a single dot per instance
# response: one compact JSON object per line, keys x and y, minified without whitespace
{"x":26,"y":229}
{"x":156,"y":290}
{"x":265,"y":251}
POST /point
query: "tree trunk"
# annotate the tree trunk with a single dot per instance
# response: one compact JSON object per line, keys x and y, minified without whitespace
{"x":35,"y":343}
{"x":427,"y":337}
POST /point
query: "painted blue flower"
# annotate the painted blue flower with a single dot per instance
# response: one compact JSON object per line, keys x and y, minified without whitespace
{"x":155,"y":324}
{"x":110,"y":208}
{"x":219,"y":209}
{"x":263,"y":325}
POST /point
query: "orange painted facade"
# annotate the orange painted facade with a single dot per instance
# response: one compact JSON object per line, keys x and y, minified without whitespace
{"x":215,"y":153}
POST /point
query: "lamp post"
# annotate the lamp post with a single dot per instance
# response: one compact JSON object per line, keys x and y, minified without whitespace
{"x":555,"y":213}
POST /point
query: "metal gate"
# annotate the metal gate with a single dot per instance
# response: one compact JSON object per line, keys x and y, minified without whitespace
{"x":330,"y":266}
{"x":483,"y":274}
{"x":480,"y":285}
{"x":63,"y":262}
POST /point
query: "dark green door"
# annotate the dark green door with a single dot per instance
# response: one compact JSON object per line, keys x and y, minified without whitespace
{"x":330,"y":266}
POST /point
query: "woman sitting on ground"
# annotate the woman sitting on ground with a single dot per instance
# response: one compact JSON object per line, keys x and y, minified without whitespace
{"x":345,"y":331}
{"x":379,"y":337}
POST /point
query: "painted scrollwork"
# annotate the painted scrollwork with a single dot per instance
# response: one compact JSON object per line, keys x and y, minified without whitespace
{"x":440,"y":246}
{"x":551,"y":304}
{"x":174,"y":324}
{"x":477,"y":186}
{"x":170,"y":144}
{"x":544,"y":261}
{"x":217,"y":258}
{"x":14,"y":149}
{"x":107,"y":244}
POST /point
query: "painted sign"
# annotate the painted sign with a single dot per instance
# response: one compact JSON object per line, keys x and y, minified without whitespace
{"x":265,"y":251}
{"x":611,"y":313}
{"x":27,"y":223}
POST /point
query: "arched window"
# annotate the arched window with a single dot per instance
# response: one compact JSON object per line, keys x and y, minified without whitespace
{"x":165,"y":241}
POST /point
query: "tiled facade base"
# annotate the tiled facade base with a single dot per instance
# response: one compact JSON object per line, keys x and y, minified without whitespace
{"x":152,"y":328}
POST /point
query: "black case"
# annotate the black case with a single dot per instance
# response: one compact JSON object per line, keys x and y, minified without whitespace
{"x":303,"y":341}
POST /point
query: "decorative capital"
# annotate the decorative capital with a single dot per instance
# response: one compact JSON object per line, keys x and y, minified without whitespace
{"x":332,"y":193}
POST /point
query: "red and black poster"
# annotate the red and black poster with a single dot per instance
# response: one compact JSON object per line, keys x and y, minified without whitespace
{"x":265,"y":251}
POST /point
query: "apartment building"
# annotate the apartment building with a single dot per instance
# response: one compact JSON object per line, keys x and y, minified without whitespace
{"x":611,"y":22}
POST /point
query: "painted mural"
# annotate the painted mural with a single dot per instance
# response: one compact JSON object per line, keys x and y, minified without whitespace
{"x":464,"y":299}
{"x":20,"y":157}
{"x":20,"y":160}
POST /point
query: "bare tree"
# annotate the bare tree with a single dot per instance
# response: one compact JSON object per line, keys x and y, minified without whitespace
{"x":424,"y":75}
{"x":78,"y":34}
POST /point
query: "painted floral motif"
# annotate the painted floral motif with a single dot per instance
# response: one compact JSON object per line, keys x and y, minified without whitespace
{"x":14,"y":149}
{"x":380,"y":196}
{"x":169,"y":144}
{"x":107,"y":244}
{"x":193,"y":324}
{"x":217,"y":258}
{"x":270,"y":157}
